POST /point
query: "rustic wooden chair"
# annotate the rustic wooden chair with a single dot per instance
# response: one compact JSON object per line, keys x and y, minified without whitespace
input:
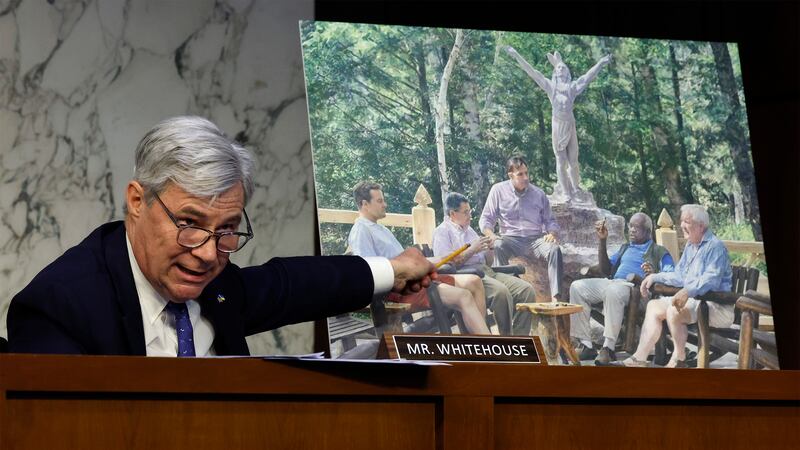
{"x":756,"y":348}
{"x":632,"y":313}
{"x":345,"y":327}
{"x":712,"y":343}
{"x":389,"y":317}
{"x":397,"y":317}
{"x":444,"y":317}
{"x":386,"y":317}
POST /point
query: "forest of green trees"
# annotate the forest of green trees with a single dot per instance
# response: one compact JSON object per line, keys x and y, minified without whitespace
{"x":662,"y":125}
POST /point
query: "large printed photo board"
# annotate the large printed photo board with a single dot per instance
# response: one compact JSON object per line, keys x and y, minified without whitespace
{"x":572,"y":166}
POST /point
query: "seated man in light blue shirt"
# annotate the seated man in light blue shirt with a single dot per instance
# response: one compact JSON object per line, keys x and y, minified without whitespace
{"x":463,"y":293}
{"x":641,"y":256}
{"x":527,"y":226}
{"x":704,"y":267}
{"x":503,"y":290}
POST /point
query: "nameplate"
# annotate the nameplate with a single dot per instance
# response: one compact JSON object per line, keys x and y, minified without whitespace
{"x":464,"y":348}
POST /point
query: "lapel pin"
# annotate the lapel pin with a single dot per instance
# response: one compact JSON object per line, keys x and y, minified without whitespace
{"x":220,"y":298}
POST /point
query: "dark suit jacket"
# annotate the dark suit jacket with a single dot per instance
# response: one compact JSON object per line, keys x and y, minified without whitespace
{"x":85,"y":302}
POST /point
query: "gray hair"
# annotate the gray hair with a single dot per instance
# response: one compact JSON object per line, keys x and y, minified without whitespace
{"x":697,"y":212}
{"x":453,"y":201}
{"x":648,"y":222}
{"x":194,"y":154}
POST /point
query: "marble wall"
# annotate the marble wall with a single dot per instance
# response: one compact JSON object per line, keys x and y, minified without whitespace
{"x":82,"y":80}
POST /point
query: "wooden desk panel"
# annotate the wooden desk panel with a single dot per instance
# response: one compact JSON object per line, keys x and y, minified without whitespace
{"x":178,"y":423}
{"x":49,"y":401}
{"x":636,"y":426}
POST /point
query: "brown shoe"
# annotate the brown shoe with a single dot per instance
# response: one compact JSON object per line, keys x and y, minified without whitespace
{"x":604,"y":357}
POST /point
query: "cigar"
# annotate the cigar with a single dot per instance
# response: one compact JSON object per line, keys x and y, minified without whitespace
{"x":447,"y":258}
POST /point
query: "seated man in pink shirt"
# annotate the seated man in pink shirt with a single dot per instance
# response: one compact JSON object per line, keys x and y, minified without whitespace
{"x":502,"y":290}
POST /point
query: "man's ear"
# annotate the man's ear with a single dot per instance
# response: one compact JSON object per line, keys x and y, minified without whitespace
{"x":134,"y":199}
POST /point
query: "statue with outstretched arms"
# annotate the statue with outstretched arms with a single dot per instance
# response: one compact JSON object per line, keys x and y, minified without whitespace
{"x":562,"y":91}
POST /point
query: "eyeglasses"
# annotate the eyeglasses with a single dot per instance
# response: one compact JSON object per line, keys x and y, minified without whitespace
{"x":190,"y":236}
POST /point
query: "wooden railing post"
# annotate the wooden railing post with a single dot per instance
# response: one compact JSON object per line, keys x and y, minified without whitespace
{"x":666,"y":235}
{"x":423,"y":219}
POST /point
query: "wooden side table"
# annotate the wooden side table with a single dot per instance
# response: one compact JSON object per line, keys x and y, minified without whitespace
{"x":551,"y":323}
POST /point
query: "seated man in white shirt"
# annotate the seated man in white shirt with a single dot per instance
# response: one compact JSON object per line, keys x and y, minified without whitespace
{"x":463,"y":293}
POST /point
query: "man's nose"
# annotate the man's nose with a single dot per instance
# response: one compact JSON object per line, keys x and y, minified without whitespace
{"x":208,"y":251}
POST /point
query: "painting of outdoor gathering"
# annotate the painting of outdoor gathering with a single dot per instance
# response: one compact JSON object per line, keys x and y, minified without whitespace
{"x":597,"y":192}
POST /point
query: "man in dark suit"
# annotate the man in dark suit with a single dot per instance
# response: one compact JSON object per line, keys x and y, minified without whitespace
{"x":160,"y":283}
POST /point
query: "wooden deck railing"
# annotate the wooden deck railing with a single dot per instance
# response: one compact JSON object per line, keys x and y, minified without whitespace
{"x":422,"y":219}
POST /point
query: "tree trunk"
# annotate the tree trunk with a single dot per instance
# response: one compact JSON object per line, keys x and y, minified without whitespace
{"x":647,"y":192}
{"x":606,"y":94}
{"x":676,"y":89}
{"x":427,"y":114}
{"x":472,"y":120}
{"x":544,"y":148}
{"x":734,"y":133}
{"x":663,"y":139}
{"x":441,"y":112}
{"x":738,"y":204}
{"x":419,"y":58}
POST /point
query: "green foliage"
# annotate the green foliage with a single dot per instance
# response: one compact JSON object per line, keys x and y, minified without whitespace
{"x":728,"y":230}
{"x":371,"y":89}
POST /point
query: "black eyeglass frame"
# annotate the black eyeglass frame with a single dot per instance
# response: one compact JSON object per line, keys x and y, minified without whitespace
{"x":248,"y":236}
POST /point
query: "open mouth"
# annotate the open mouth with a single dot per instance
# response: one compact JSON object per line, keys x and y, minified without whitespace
{"x":190,"y":272}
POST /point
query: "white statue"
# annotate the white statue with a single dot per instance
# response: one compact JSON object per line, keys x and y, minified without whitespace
{"x":562,"y":91}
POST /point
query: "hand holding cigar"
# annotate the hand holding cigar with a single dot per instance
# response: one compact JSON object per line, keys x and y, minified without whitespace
{"x":600,"y":228}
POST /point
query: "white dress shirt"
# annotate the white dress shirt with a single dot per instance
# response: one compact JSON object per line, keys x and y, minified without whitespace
{"x":160,"y":337}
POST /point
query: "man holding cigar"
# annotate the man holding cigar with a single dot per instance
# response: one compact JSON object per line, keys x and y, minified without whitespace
{"x":641,"y":256}
{"x":503,"y":291}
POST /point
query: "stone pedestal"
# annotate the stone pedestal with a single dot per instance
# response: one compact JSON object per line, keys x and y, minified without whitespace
{"x":578,"y":240}
{"x":578,"y":198}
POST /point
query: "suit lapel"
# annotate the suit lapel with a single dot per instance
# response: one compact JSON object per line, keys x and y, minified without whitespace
{"x":219,"y":306}
{"x":118,"y":264}
{"x":218,"y":302}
